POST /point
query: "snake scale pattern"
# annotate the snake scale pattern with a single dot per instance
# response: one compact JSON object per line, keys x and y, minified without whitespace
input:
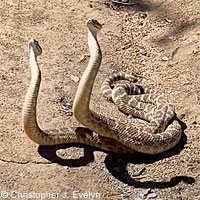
{"x":144,"y":139}
{"x":80,"y":135}
{"x":162,"y":133}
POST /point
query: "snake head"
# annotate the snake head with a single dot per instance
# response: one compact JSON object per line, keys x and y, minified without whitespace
{"x":34,"y":45}
{"x":94,"y":25}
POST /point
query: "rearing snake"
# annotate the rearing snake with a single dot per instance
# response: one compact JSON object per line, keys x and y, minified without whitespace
{"x":108,"y":134}
{"x":58,"y":136}
{"x":138,"y":139}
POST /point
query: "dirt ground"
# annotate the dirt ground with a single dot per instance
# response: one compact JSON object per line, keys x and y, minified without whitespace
{"x":158,"y":39}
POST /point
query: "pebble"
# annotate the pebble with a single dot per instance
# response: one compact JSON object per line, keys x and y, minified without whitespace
{"x":168,"y":20}
{"x":147,"y":193}
{"x":143,"y":15}
{"x":74,"y":78}
{"x":67,"y":168}
{"x":165,"y":58}
{"x":152,"y":195}
{"x":72,"y":9}
{"x":144,"y":193}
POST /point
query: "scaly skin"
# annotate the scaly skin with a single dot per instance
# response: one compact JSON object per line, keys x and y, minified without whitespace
{"x":139,"y":101}
{"x":135,"y":138}
{"x":59,"y":136}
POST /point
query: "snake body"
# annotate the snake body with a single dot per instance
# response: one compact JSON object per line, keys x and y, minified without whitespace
{"x":139,"y":101}
{"x":58,"y":136}
{"x":139,"y":139}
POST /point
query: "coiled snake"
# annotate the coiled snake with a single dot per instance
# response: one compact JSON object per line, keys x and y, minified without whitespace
{"x":139,"y":139}
{"x":107,"y":134}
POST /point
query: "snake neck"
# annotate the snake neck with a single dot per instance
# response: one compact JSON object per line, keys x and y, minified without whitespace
{"x":83,"y":94}
{"x":30,"y":124}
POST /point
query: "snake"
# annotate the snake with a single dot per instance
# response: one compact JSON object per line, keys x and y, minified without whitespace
{"x":142,"y":139}
{"x":30,"y":125}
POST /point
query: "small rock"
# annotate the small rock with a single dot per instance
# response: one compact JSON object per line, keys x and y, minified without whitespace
{"x":144,"y":193}
{"x":165,"y":58}
{"x":187,"y":82}
{"x":151,"y":195}
{"x":12,"y":4}
{"x":147,"y":193}
{"x":143,"y":15}
{"x":21,"y":174}
{"x":141,"y":195}
{"x":68,"y":112}
{"x":67,"y":168}
{"x":195,"y":51}
{"x":69,"y":59}
{"x":72,"y":9}
{"x":130,"y":116}
{"x":74,"y":78}
{"x":168,"y":20}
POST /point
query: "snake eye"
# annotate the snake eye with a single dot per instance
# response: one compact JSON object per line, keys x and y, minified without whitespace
{"x":36,"y":42}
{"x":94,"y":24}
{"x":94,"y":21}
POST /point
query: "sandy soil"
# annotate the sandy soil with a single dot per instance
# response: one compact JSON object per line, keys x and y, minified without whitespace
{"x":160,"y":40}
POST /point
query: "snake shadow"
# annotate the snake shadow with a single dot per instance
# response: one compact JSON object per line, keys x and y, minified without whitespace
{"x":117,"y":163}
{"x":49,"y":153}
